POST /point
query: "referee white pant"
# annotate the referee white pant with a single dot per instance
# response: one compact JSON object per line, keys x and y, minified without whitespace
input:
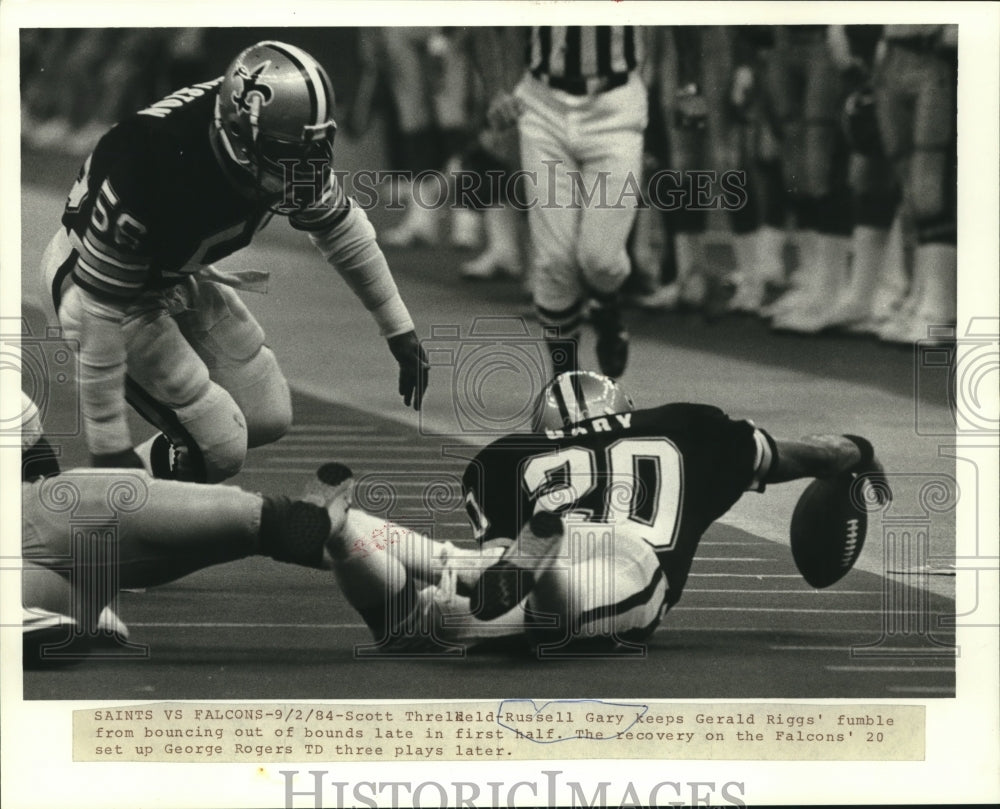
{"x":577,"y":144}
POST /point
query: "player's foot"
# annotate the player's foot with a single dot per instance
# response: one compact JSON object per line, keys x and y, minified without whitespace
{"x":612,"y":353}
{"x":805,"y":320}
{"x":694,"y":290}
{"x":465,"y":229}
{"x":612,"y":339}
{"x":110,"y":625}
{"x":507,"y":581}
{"x":417,"y":229}
{"x":748,"y":297}
{"x":332,"y":489}
{"x":662,"y":299}
{"x":495,"y":262}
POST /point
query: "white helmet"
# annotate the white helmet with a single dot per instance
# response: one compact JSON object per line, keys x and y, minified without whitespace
{"x":576,"y":396}
{"x":274,"y":115}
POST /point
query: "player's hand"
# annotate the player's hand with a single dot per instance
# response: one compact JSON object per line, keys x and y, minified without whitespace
{"x":690,"y":108}
{"x":413,"y":367}
{"x":504,"y":110}
{"x":870,"y":468}
{"x":126,"y":459}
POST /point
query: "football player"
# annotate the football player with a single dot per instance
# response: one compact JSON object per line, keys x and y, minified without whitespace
{"x":587,"y":526}
{"x":87,"y":532}
{"x":175,"y":187}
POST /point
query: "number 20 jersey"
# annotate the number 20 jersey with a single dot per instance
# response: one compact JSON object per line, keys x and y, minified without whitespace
{"x":668,"y":472}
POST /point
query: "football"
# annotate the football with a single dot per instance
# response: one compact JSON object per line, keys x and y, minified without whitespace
{"x":827,"y":531}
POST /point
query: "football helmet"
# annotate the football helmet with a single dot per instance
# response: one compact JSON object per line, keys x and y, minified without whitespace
{"x":274,"y":116}
{"x":575,"y":396}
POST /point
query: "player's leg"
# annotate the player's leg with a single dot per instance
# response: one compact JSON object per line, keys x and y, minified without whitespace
{"x":101,"y":530}
{"x":610,"y":151}
{"x":230,"y":342}
{"x":824,"y":210}
{"x":404,"y":53}
{"x":168,"y":384}
{"x":557,"y":290}
{"x":604,"y":585}
{"x":408,"y":588}
{"x":929,"y":190}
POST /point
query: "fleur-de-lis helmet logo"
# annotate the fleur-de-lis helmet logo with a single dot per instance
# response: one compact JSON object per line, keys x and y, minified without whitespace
{"x":254,"y":93}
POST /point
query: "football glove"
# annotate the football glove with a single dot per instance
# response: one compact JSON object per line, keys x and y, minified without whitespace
{"x":126,"y":459}
{"x":413,"y":367}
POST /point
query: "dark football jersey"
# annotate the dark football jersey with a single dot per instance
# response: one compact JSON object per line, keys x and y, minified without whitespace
{"x":668,"y":472}
{"x":152,"y":203}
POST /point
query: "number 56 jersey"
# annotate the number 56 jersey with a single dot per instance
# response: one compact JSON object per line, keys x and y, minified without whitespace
{"x":667,"y":472}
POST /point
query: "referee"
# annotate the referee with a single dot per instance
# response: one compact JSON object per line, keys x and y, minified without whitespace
{"x":581,"y":110}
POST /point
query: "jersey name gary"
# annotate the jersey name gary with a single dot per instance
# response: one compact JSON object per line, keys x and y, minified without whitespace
{"x":152,"y":203}
{"x":666,"y":472}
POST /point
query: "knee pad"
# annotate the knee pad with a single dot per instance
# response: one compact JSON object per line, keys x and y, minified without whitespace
{"x":161,"y":362}
{"x":216,"y":433}
{"x":220,"y":327}
{"x":261,"y":393}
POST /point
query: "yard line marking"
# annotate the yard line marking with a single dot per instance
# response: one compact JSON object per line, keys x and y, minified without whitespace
{"x":814,"y":593}
{"x":847,"y":647}
{"x":289,"y":442}
{"x":315,"y":459}
{"x":920,"y":689}
{"x":237,"y":625}
{"x":751,"y":630}
{"x":903,"y":669}
{"x":744,"y":575}
{"x":799,"y":609}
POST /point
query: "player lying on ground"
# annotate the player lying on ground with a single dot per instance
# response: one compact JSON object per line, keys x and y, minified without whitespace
{"x":587,"y":526}
{"x":87,"y":532}
{"x":179,"y":185}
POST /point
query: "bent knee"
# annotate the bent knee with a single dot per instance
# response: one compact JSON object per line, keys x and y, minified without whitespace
{"x":603,"y":270}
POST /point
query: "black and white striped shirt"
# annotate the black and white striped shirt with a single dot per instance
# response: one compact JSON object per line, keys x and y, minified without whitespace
{"x":584,"y":51}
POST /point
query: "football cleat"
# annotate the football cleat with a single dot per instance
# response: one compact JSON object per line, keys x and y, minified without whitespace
{"x":507,"y":581}
{"x":109,"y":624}
{"x":576,"y":396}
{"x":274,"y":115}
{"x":612,"y":352}
{"x":612,"y":338}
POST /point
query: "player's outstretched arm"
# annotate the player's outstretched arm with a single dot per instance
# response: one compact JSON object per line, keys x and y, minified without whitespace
{"x":351,"y":248}
{"x":823,"y":456}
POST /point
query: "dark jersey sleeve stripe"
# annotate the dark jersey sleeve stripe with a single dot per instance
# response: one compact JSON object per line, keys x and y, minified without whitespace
{"x":104,"y":286}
